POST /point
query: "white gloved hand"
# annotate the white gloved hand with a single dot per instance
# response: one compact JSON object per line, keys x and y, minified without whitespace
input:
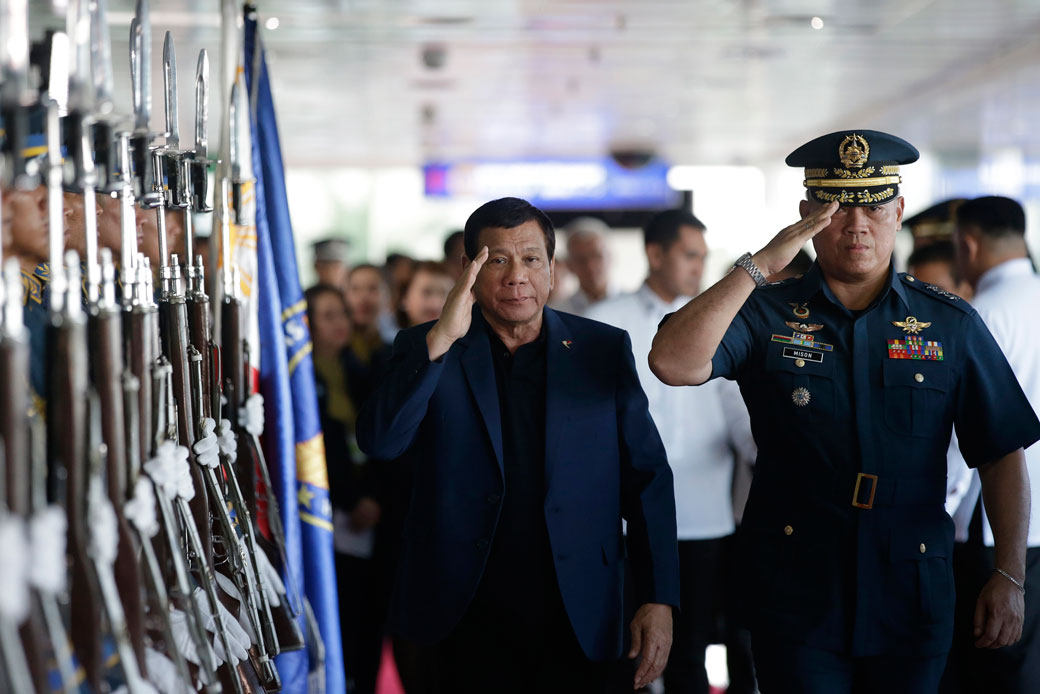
{"x":238,"y":640}
{"x":170,"y":471}
{"x":47,"y":564}
{"x":163,"y":674}
{"x":14,"y":568}
{"x":102,"y":525}
{"x":228,"y":586}
{"x":140,"y":510}
{"x":227,"y":439}
{"x":252,"y":414}
{"x":274,"y":589}
{"x":206,"y":447}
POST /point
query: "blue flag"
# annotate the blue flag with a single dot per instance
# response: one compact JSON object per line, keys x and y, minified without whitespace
{"x":300,"y":477}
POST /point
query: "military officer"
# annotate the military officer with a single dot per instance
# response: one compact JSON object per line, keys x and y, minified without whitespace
{"x":854,"y":375}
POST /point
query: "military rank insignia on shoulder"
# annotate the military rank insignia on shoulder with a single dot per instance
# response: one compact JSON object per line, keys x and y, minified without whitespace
{"x":932,"y":290}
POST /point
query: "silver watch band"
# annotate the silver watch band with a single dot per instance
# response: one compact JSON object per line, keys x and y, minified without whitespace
{"x":745,"y":262}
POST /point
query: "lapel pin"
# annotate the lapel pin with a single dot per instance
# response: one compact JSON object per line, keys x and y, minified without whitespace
{"x":567,"y":344}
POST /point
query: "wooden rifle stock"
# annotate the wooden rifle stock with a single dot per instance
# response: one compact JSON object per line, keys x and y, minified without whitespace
{"x":104,"y":327}
{"x":66,"y":453}
{"x":173,"y":328}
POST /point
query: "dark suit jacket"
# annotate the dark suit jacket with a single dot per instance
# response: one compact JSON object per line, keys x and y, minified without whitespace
{"x":603,"y":461}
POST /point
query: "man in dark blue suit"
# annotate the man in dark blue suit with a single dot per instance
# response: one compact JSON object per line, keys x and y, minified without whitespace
{"x":531,"y":440}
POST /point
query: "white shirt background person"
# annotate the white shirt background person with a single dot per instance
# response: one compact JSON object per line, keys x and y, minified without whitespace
{"x":1007,"y":297}
{"x":702,"y":430}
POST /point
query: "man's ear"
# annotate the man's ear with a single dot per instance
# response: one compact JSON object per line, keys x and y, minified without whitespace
{"x":803,"y":208}
{"x":654,"y":256}
{"x":552,"y":273}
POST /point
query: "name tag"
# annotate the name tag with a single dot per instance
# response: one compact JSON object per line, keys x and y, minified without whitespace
{"x":807,"y":355}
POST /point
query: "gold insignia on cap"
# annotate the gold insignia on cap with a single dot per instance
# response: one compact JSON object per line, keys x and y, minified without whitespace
{"x":853,"y":151}
{"x":803,"y":327}
{"x":911,"y":326}
{"x":801,"y":397}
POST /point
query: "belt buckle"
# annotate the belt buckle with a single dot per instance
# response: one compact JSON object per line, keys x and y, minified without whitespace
{"x":873,"y":489}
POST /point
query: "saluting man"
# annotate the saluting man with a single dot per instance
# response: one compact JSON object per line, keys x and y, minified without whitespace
{"x":530,"y":439}
{"x":854,"y":375}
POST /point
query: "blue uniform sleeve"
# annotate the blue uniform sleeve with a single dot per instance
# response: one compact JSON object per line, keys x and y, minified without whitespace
{"x":993,"y":416}
{"x":734,"y":351}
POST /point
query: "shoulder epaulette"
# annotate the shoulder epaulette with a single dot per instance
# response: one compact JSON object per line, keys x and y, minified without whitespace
{"x":938,"y":293}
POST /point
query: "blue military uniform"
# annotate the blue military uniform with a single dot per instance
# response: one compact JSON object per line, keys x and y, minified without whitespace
{"x":843,"y":400}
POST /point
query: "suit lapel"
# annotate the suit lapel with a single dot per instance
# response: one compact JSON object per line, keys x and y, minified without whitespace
{"x":560,"y":365}
{"x":480,"y":374}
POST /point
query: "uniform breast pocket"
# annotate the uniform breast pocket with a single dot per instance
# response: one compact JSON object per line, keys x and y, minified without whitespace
{"x":803,"y":388}
{"x":916,"y":395}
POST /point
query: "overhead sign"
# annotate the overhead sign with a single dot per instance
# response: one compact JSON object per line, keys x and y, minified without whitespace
{"x":556,"y":184}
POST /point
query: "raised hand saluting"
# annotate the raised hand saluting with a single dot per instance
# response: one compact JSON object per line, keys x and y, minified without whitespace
{"x":458,"y":310}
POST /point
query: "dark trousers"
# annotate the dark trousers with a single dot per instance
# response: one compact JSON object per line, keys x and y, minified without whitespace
{"x":1011,"y":670}
{"x":700,"y":574}
{"x":735,"y":635}
{"x":784,"y":667}
{"x":363,"y":598}
{"x":483,"y":656}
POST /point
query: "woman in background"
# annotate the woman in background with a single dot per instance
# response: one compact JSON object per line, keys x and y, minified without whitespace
{"x":343,"y":382}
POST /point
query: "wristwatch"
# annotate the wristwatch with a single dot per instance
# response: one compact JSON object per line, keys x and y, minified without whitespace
{"x":745,"y":262}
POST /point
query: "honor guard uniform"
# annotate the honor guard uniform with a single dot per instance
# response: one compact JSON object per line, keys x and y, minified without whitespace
{"x":846,"y":544}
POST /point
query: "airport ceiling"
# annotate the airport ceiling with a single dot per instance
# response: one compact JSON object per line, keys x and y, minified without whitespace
{"x":401,"y":82}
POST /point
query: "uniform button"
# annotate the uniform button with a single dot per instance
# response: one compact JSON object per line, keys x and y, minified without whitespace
{"x":482,"y":544}
{"x":919,"y":378}
{"x":788,"y":530}
{"x":923,"y":548}
{"x":494,"y":498}
{"x":910,"y":279}
{"x":799,"y":362}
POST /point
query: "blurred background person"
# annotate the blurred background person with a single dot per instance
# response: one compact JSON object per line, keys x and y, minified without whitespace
{"x":343,"y":382}
{"x":423,"y":294}
{"x":989,"y":241}
{"x":935,"y":263}
{"x":701,"y":456}
{"x":332,"y":262}
{"x":589,"y":259}
{"x":455,"y":254}
{"x":367,"y":300}
{"x":397,"y":269}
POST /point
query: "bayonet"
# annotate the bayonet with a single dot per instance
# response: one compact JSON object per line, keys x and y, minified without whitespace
{"x":173,"y":139}
{"x":79,"y":135}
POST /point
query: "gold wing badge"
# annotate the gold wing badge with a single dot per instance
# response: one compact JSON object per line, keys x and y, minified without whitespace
{"x":911,"y":326}
{"x":803,"y":327}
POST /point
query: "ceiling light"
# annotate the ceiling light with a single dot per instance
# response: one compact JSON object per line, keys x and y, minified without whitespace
{"x":816,"y":23}
{"x":272,"y":23}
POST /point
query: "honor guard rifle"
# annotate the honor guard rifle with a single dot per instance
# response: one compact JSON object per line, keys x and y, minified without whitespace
{"x":104,"y":326}
{"x":66,"y":395}
{"x":171,"y":404}
{"x":280,"y":631}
